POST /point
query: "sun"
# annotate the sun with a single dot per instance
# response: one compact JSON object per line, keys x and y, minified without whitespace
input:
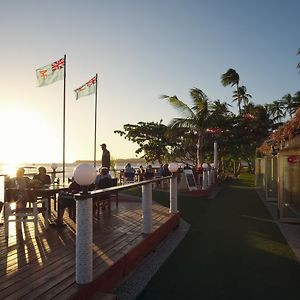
{"x":10,"y":169}
{"x":27,"y":135}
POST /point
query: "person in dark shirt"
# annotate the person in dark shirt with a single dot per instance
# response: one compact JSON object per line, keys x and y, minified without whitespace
{"x":42,"y":176}
{"x":103,"y":179}
{"x":66,"y":200}
{"x":105,"y":161}
{"x":165,"y":171}
{"x":149,"y":174}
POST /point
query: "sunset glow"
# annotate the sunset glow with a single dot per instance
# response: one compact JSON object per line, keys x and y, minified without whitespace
{"x":140,"y":51}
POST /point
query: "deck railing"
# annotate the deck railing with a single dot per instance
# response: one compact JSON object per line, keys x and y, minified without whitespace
{"x":84,"y":223}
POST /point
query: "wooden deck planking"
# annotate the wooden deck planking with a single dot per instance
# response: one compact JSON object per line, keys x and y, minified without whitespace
{"x":45,"y":267}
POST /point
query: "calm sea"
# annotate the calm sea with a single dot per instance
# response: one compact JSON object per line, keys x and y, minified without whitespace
{"x":69,"y":168}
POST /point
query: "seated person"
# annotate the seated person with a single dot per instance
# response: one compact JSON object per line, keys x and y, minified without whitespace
{"x":19,"y":182}
{"x":149,"y":174}
{"x":165,"y":171}
{"x":129,"y":173}
{"x":42,"y":176}
{"x":66,"y":200}
{"x":103,"y":179}
{"x":141,"y":172}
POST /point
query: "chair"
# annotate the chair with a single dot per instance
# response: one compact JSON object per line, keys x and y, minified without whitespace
{"x":128,"y":177}
{"x":101,"y":201}
{"x":30,"y":213}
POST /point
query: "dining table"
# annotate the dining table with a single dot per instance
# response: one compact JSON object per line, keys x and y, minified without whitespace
{"x":49,"y":191}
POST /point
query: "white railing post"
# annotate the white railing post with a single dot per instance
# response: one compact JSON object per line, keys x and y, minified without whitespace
{"x":209,"y":178}
{"x":147,"y":207}
{"x":212,"y":175}
{"x":84,"y":240}
{"x":204,"y":179}
{"x":173,"y":195}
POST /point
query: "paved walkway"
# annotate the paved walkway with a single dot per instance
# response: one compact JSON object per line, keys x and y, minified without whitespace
{"x":233,"y":250}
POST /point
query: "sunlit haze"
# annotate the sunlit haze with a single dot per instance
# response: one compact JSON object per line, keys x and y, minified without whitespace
{"x":141,"y":50}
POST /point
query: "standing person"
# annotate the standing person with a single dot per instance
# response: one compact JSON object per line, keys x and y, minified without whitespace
{"x":105,"y":161}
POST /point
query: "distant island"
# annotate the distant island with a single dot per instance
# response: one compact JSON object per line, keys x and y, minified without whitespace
{"x":117,"y":161}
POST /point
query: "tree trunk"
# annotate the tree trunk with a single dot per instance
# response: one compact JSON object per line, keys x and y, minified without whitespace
{"x":200,"y":146}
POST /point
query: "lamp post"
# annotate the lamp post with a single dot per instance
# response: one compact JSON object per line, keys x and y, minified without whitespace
{"x":205,"y":181}
{"x":216,"y":155}
{"x":53,"y":175}
{"x":84,"y":175}
{"x":173,"y":167}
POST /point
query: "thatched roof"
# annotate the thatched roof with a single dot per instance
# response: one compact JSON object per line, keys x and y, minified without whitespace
{"x":280,"y":137}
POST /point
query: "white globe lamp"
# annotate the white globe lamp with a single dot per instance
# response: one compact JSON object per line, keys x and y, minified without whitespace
{"x":84,"y":175}
{"x":204,"y":166}
{"x":54,"y":166}
{"x":173,"y":167}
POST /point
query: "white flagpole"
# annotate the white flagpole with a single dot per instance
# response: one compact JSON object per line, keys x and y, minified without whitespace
{"x":64,"y":121}
{"x":95,"y":131}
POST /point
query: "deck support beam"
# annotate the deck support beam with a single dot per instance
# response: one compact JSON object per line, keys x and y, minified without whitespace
{"x":84,"y":240}
{"x":147,"y":208}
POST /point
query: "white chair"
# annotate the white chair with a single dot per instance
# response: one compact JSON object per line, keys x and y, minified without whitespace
{"x":35,"y":206}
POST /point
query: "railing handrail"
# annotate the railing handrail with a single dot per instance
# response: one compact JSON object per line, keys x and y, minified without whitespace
{"x":92,"y":194}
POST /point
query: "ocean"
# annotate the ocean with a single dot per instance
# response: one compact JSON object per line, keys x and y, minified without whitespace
{"x":32,"y":168}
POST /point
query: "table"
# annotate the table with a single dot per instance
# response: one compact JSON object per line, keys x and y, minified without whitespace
{"x":46,"y":191}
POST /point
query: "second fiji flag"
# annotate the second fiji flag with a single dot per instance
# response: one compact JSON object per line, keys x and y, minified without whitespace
{"x":88,"y":88}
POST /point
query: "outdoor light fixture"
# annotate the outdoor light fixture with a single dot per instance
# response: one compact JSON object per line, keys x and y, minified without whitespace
{"x":173,"y":167}
{"x":204,"y":166}
{"x":54,"y":166}
{"x":84,"y":175}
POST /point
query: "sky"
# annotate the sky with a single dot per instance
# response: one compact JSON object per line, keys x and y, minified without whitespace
{"x":140,"y":49}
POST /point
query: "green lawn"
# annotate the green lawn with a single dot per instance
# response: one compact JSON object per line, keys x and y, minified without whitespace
{"x":233,"y":250}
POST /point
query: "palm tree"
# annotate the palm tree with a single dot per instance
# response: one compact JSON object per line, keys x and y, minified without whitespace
{"x":197,"y":118}
{"x":240,"y":95}
{"x":288,"y":104}
{"x":296,"y":101}
{"x":276,"y":110}
{"x":231,"y":77}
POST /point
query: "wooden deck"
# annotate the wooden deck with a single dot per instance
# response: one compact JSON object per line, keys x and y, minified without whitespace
{"x":44,"y":268}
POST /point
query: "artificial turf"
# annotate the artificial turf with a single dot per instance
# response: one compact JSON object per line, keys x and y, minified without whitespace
{"x":233,"y":250}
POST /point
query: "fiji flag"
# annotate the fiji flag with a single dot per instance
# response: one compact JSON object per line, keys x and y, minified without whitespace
{"x":87,"y":89}
{"x":50,"y":73}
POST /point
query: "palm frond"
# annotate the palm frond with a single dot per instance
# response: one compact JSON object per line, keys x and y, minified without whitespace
{"x":180,"y":123}
{"x":179,"y":105}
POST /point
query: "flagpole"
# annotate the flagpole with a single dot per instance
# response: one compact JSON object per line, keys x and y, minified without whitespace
{"x":64,"y":120}
{"x":95,"y":131}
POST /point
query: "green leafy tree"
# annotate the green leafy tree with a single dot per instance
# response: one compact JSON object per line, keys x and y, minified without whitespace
{"x":151,"y":137}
